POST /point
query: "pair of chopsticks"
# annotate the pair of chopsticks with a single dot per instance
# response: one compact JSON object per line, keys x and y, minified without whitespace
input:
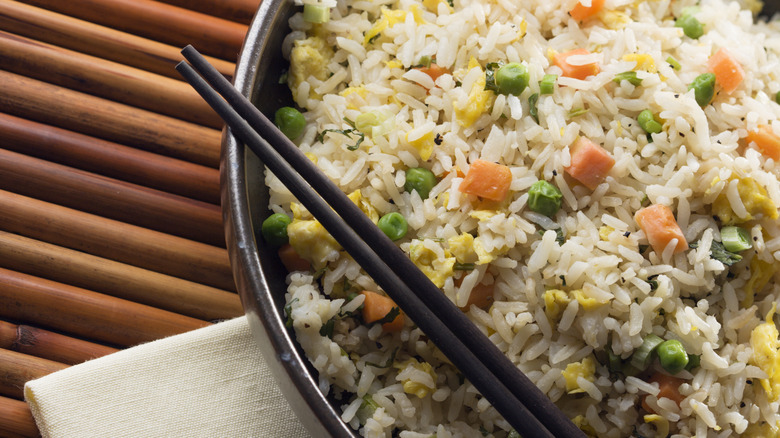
{"x":516,"y":398}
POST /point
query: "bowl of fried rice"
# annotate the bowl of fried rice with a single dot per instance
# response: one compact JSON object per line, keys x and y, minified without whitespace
{"x":594,"y":183}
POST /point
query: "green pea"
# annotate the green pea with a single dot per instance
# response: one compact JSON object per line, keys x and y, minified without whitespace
{"x":692,"y":28}
{"x":672,"y":356}
{"x":544,"y":198}
{"x":703,"y":88}
{"x":290,"y":121}
{"x":512,"y":78}
{"x":647,"y":122}
{"x":274,"y":229}
{"x":393,"y":225}
{"x":777,"y":97}
{"x":421,"y":180}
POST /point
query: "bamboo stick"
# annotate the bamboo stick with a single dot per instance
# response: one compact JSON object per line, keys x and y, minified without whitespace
{"x":86,"y":314}
{"x":240,"y":11}
{"x":96,"y":40}
{"x":17,"y":368}
{"x":106,"y":79}
{"x":49,"y":345}
{"x":109,"y":159}
{"x":16,"y":420}
{"x":115,"y":240}
{"x":111,"y":198}
{"x":83,"y":270}
{"x":162,"y":22}
{"x":36,"y":100}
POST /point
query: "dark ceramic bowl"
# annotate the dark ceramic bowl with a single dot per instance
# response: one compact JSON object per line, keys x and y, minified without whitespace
{"x":260,"y":276}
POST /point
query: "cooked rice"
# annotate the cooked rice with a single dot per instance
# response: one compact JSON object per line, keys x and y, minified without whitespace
{"x":616,"y":290}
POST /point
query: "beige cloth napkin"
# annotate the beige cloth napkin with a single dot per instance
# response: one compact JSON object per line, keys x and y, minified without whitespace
{"x":210,"y":382}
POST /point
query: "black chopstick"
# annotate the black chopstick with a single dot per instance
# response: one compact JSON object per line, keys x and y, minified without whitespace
{"x":521,"y":403}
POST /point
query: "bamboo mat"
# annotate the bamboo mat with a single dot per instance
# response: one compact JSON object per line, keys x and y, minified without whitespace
{"x":110,"y":226}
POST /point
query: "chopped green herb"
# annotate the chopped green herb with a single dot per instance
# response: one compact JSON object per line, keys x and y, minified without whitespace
{"x":694,"y":360}
{"x":629,"y":76}
{"x":532,"y":99}
{"x":463,"y":266}
{"x":559,"y":237}
{"x":327,"y":328}
{"x":490,"y":76}
{"x":373,"y":38}
{"x":348,"y":132}
{"x":425,"y":61}
{"x":483,"y":431}
{"x":451,"y":3}
{"x":391,"y":315}
{"x":366,"y":409}
{"x":288,"y":312}
{"x":720,"y":253}
{"x":388,"y":362}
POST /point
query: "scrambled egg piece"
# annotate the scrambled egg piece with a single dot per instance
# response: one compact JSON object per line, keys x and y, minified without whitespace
{"x":586,"y":369}
{"x":478,"y":102}
{"x":643,"y":61}
{"x":312,"y":242}
{"x":760,"y":274}
{"x":360,"y":90}
{"x":357,"y":198}
{"x":437,"y":269}
{"x":661,"y":424}
{"x":433,"y":5}
{"x":419,"y":389}
{"x":424,"y":145}
{"x":765,"y":344}
{"x":582,"y":423}
{"x":604,"y":232}
{"x":764,"y":430}
{"x":614,"y":20}
{"x":462,"y":247}
{"x":587,"y":303}
{"x":555,"y":301}
{"x":391,"y":18}
{"x":753,"y":196}
{"x":309,"y":57}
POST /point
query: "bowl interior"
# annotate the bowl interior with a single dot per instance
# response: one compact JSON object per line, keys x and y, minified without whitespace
{"x":260,"y":276}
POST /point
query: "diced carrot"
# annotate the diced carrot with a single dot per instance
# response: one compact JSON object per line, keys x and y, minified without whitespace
{"x":728,"y":72}
{"x":660,"y":227}
{"x":481,"y":296}
{"x":487,"y":180}
{"x":767,"y":142}
{"x":577,"y":71}
{"x":668,"y":386}
{"x":580,"y":12}
{"x":434,"y":70}
{"x":291,"y":260}
{"x":376,"y":307}
{"x":590,"y":163}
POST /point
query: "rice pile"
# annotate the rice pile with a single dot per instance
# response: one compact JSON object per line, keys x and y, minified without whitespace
{"x":568,"y":288}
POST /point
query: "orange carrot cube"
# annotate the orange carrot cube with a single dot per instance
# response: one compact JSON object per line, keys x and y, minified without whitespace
{"x":487,"y":180}
{"x":590,"y":163}
{"x":660,"y":227}
{"x":577,"y":71}
{"x":767,"y":142}
{"x":728,"y":72}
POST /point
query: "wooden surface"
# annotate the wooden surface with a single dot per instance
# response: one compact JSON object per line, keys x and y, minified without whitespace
{"x":111,"y":232}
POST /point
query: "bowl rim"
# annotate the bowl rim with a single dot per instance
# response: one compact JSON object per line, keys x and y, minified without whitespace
{"x":285,"y":359}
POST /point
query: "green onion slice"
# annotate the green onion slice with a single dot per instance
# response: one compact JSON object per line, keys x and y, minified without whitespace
{"x":643,"y":355}
{"x":735,"y":239}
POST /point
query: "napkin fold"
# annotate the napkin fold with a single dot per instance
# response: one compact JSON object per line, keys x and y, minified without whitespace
{"x":210,"y":382}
